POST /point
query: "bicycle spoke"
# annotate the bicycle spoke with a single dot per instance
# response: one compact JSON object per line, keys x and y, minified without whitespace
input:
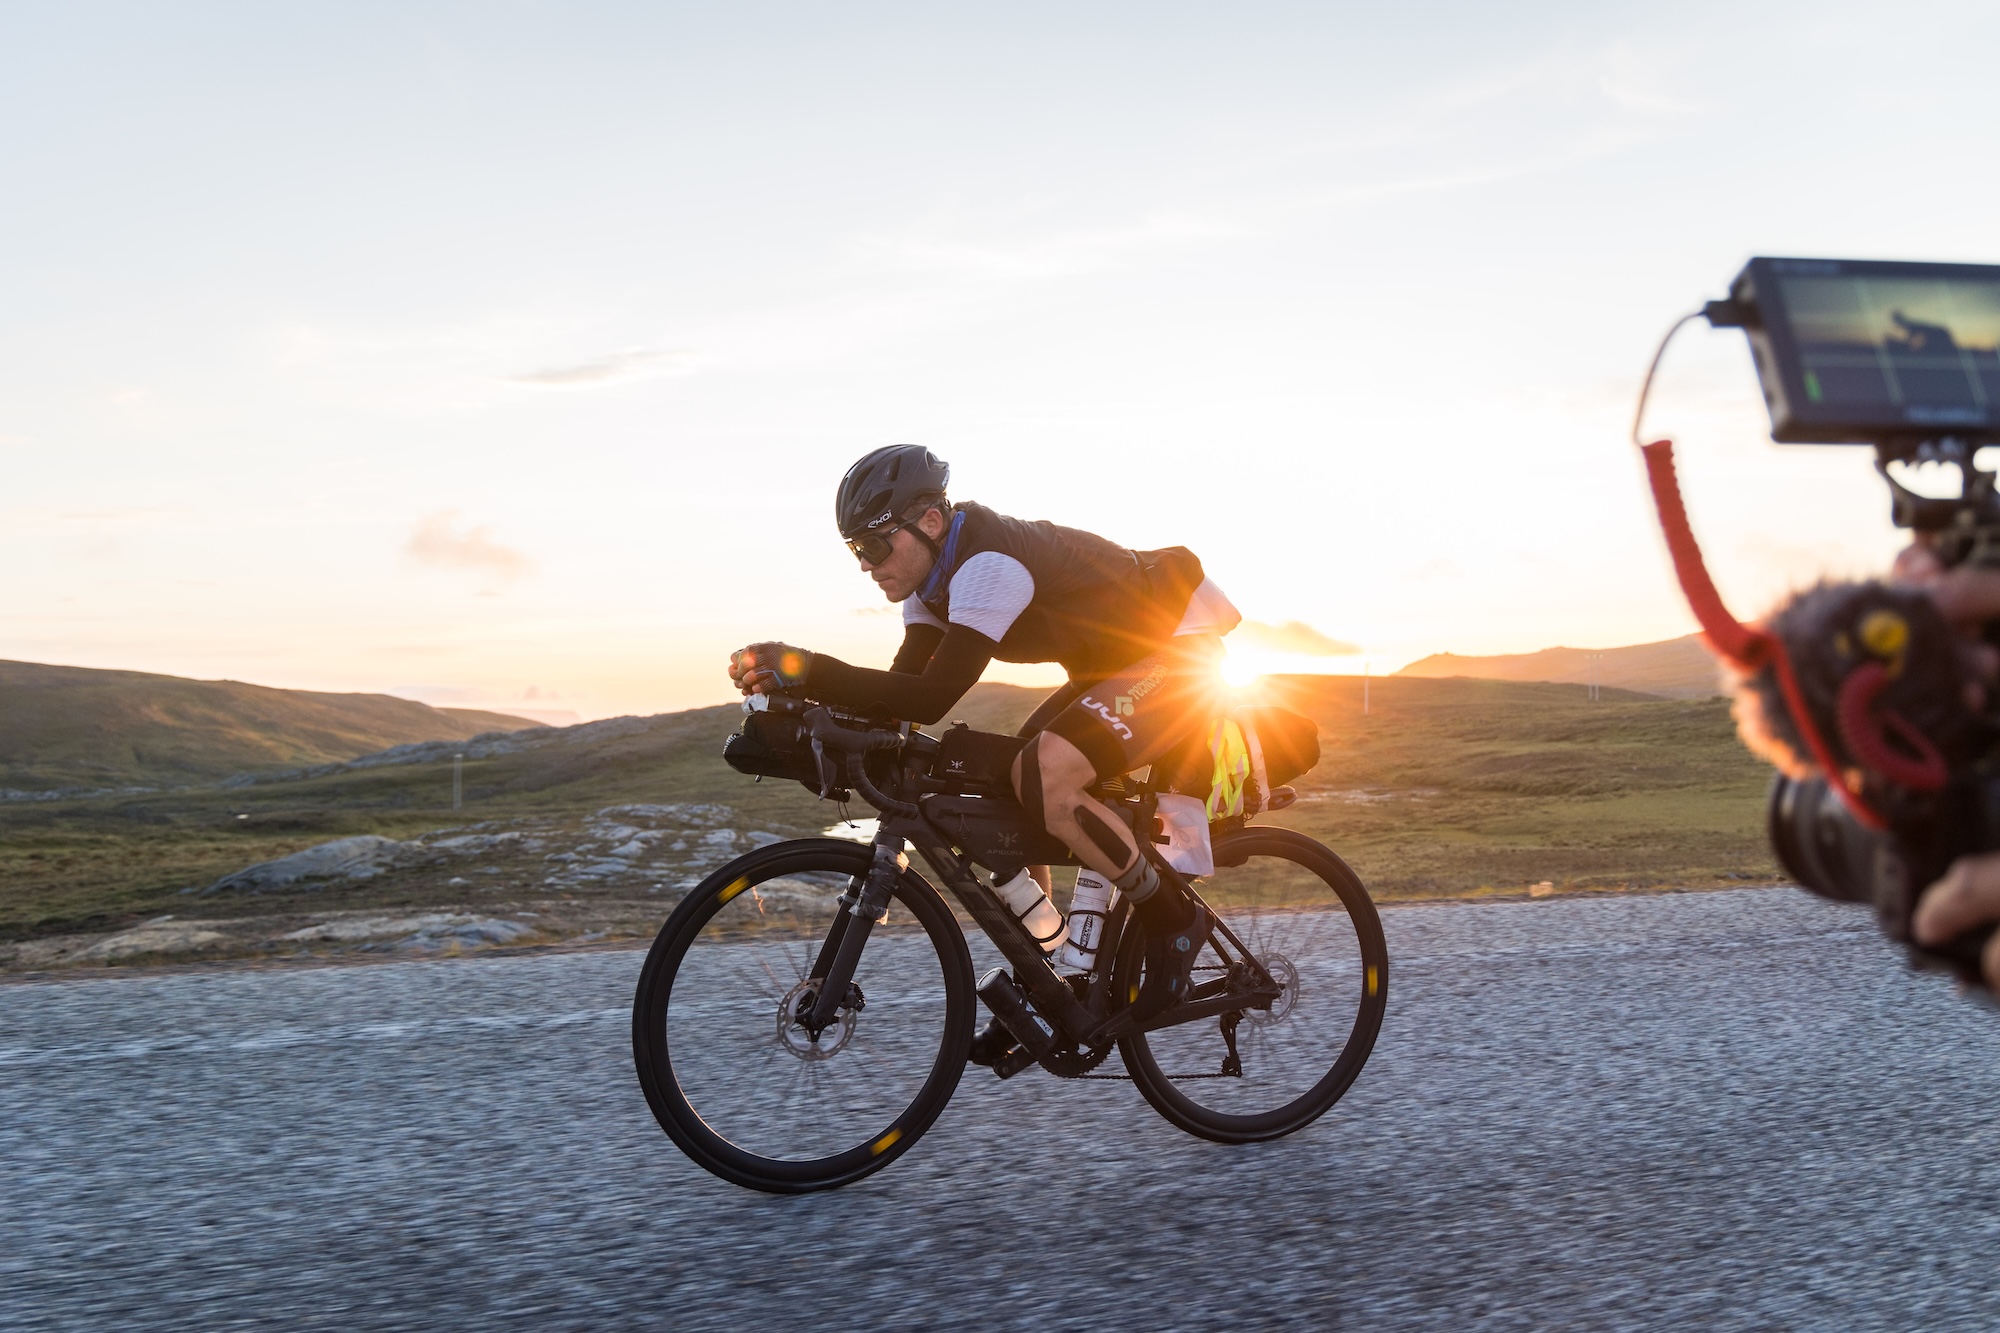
{"x":1294,"y":1057}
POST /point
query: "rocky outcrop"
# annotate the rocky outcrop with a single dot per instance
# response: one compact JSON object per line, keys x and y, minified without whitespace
{"x":361,"y":857}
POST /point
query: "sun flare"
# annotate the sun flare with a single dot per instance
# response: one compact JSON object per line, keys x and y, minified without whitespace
{"x":1244,"y":663}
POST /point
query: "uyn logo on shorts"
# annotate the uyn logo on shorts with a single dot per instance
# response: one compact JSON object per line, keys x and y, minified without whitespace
{"x":1124,"y":706}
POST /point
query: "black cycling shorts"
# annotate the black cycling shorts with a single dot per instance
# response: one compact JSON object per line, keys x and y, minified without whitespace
{"x":1136,"y":716}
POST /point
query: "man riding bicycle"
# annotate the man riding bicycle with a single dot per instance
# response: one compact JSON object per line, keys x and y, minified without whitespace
{"x":1139,"y":633}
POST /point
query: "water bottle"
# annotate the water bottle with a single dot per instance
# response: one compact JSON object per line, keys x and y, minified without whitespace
{"x":1032,"y":908}
{"x":1087,"y":910}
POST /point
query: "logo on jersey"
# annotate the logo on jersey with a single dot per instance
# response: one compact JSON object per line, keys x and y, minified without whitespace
{"x":1111,"y":718}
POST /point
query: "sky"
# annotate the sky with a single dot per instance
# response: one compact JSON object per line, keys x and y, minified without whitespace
{"x":507,"y":355}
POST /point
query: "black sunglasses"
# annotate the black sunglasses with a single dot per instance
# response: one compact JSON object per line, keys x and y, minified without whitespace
{"x":875,"y":547}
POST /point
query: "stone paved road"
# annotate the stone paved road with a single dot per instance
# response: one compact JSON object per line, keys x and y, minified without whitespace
{"x":1724,"y":1111}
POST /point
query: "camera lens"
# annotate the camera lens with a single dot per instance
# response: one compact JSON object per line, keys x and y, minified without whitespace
{"x":1818,"y":843}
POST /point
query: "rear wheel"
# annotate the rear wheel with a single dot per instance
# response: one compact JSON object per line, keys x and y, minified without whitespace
{"x":1306,"y":918}
{"x":738,"y":1083}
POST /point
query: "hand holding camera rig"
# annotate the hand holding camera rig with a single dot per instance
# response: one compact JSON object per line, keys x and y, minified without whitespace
{"x":1872,"y":699}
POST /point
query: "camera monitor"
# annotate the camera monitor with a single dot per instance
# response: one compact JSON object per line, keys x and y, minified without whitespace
{"x":1865,"y":351}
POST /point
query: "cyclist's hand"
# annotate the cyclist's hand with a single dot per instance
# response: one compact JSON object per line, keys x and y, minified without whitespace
{"x":766,"y":668}
{"x":1968,"y":896}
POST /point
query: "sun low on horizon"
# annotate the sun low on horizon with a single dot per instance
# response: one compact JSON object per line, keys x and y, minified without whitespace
{"x":510,"y":364}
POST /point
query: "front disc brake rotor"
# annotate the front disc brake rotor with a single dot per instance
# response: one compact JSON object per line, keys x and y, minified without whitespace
{"x":804,"y":1045}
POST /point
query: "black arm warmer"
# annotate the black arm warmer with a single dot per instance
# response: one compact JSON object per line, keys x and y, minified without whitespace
{"x":920,"y":641}
{"x":925,"y":696}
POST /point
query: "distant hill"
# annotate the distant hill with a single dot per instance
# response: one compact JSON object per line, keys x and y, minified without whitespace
{"x":1675,"y":669}
{"x":66,"y":727}
{"x":1433,"y":788}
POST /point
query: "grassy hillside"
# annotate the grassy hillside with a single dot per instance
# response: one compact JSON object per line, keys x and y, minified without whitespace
{"x":1445,"y":788}
{"x":1450,"y":787}
{"x":1676,"y":668}
{"x":65,"y":727}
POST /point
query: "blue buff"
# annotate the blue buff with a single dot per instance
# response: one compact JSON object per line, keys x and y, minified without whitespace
{"x":947,"y":563}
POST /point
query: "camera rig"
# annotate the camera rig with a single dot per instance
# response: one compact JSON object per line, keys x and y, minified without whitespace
{"x":1905,"y":358}
{"x":1901,"y":356}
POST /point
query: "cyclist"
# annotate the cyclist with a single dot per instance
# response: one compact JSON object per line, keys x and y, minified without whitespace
{"x":1139,"y":632}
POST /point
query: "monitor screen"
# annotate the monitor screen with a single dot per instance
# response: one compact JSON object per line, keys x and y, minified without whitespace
{"x":1862,"y":350}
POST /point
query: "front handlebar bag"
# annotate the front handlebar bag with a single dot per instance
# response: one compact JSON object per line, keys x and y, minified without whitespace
{"x":773,"y":745}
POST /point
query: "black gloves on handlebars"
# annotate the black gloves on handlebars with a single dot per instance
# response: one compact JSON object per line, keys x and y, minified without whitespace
{"x":776,"y":666}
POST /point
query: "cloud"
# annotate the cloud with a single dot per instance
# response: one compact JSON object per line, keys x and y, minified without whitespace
{"x":631,"y":364}
{"x":942,"y":242}
{"x":439,"y":544}
{"x":1294,"y":636}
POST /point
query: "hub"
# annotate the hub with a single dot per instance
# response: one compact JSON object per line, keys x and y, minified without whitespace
{"x":822,"y":1045}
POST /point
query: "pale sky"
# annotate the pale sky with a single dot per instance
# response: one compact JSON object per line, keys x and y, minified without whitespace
{"x":508,"y":354}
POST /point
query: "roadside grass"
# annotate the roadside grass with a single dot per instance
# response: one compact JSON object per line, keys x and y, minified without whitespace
{"x":1443,"y":788}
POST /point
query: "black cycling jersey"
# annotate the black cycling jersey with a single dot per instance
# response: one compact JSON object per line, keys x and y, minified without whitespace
{"x":1096,"y":607}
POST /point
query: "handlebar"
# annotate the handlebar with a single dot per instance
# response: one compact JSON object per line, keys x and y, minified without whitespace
{"x":855,"y":747}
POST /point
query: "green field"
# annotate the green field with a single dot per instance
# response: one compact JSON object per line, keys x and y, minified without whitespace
{"x":1445,"y":788}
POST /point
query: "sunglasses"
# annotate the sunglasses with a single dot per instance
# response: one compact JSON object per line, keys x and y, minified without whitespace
{"x":875,"y":547}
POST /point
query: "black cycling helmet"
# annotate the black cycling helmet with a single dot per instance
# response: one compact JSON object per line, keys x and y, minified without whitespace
{"x":887,"y":486}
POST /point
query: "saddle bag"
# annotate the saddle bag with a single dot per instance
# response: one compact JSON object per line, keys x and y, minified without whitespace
{"x":1237,"y":763}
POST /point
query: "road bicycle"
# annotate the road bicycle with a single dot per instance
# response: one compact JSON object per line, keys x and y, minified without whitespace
{"x":808,"y":1009}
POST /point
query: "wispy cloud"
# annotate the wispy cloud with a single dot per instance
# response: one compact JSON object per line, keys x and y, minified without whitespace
{"x":630,"y":364}
{"x":439,"y":542}
{"x":1295,"y":637}
{"x":945,"y":241}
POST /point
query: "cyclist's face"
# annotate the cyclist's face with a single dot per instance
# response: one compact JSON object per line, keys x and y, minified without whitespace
{"x":909,"y":562}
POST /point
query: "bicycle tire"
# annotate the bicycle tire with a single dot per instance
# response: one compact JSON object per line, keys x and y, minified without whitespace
{"x":1155,"y":1059}
{"x":723,"y":1055}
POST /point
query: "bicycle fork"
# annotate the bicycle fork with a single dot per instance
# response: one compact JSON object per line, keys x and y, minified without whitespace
{"x":864,"y":902}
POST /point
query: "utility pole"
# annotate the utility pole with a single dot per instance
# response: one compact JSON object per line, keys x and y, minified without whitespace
{"x":458,"y":782}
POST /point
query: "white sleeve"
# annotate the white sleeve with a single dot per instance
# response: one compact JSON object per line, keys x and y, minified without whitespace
{"x":989,"y":592}
{"x":916,"y":613}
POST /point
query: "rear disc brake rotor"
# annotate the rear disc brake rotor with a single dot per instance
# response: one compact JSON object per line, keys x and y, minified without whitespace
{"x":1287,"y":976}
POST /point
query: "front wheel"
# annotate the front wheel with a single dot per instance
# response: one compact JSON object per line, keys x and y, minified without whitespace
{"x":1258,"y":1074}
{"x":734,"y":1078}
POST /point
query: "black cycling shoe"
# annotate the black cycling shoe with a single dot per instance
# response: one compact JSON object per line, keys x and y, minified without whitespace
{"x":990,"y":1044}
{"x":1170,"y":965}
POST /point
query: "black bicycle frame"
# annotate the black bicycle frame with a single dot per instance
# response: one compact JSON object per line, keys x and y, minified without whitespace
{"x":866,"y":901}
{"x":1079,"y":1025}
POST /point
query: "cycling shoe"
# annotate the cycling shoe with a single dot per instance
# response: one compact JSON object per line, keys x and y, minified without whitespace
{"x":1170,"y":965}
{"x":990,"y":1044}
